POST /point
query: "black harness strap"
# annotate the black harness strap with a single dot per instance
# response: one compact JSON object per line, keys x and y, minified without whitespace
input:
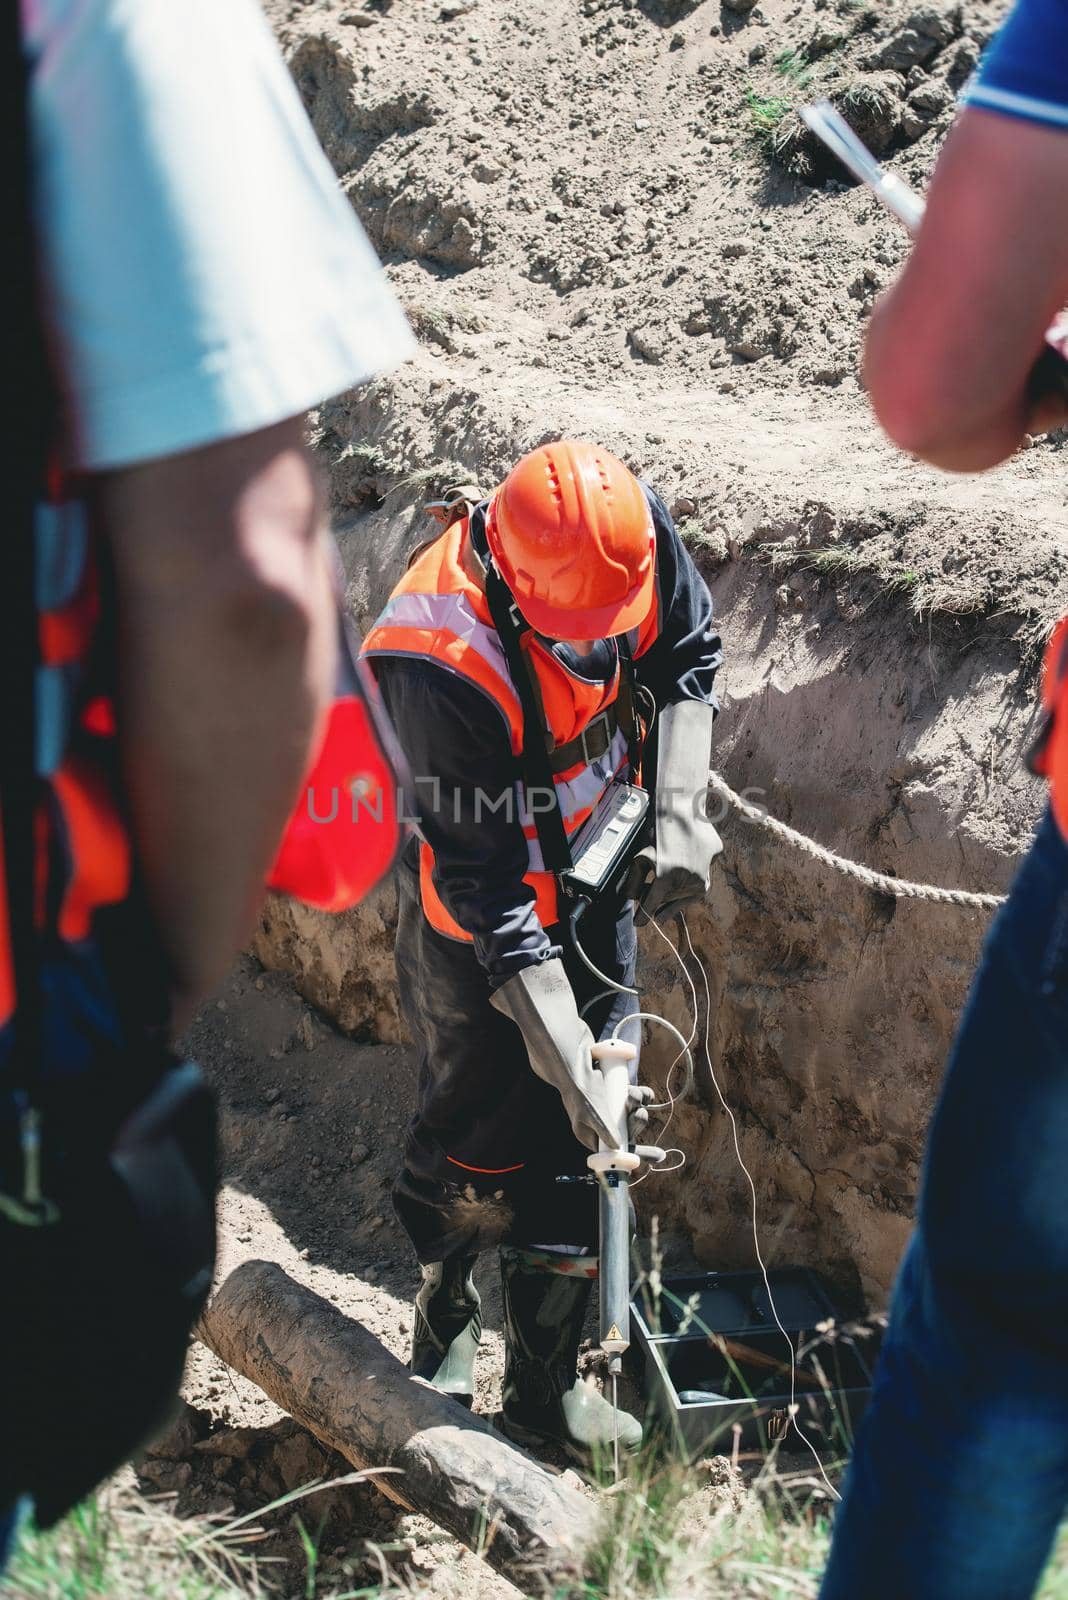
{"x":537,"y":770}
{"x":626,"y":712}
{"x":542,"y":757}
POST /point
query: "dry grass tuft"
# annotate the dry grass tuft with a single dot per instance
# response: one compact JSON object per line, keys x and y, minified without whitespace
{"x":669,"y":1532}
{"x":118,"y":1546}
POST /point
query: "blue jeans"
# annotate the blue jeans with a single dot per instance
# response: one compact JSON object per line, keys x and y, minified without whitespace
{"x":11,"y":1518}
{"x":959,"y":1477}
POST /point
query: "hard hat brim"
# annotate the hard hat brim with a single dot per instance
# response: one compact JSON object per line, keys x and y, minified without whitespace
{"x":601,"y":622}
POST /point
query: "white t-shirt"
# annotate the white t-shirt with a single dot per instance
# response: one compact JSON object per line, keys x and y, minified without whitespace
{"x":205,"y":275}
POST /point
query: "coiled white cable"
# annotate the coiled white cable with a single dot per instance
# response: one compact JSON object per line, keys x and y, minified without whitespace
{"x":669,"y":1105}
{"x":685,"y":1052}
{"x":753,"y":1200}
{"x":602,"y":977}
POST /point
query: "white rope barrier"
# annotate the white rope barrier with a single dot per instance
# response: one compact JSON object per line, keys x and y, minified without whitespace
{"x":900,"y":888}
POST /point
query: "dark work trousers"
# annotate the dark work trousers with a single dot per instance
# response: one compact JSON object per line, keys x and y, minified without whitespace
{"x":489,"y":1139}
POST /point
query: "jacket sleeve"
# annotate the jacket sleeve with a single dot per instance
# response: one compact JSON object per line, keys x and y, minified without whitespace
{"x":682,"y":662}
{"x":465,"y":803}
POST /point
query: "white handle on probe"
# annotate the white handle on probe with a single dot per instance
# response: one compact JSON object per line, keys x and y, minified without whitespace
{"x":613,"y":1057}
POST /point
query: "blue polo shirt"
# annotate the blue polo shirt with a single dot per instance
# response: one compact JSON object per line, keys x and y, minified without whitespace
{"x":1025,"y":72}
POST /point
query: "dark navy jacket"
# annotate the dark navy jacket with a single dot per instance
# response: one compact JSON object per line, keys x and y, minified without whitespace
{"x":451,"y":732}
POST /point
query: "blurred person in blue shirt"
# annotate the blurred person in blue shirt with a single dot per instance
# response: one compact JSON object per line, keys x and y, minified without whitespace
{"x":959,"y":1476}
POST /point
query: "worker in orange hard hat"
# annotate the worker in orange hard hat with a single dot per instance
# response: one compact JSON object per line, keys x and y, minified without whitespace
{"x":548,"y":664}
{"x":572,"y":535}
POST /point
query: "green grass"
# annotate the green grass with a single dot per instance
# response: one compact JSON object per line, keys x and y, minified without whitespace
{"x":116,"y":1546}
{"x":367,"y":457}
{"x":773,"y":112}
{"x":865,"y":100}
{"x":669,"y":1530}
{"x":769,"y":1542}
{"x":109,"y":1548}
{"x":766,"y":111}
{"x":430,"y":480}
{"x":663,"y":1536}
{"x":845,"y":563}
{"x":840,"y":562}
{"x":795,"y":68}
{"x":692,"y":532}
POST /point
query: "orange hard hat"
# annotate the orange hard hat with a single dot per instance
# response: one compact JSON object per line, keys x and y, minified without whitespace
{"x":572,"y":536}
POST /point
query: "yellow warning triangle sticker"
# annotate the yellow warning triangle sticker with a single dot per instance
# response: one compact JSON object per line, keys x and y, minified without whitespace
{"x":613,"y":1333}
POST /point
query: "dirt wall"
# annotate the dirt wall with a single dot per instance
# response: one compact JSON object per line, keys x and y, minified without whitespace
{"x":893,"y":740}
{"x":592,"y":235}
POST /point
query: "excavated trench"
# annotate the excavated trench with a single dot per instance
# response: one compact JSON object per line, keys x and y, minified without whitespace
{"x":895,"y":741}
{"x":594,"y":233}
{"x":592,"y":236}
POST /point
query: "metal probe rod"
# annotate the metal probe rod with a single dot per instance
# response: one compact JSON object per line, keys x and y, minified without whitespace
{"x":830,"y":126}
{"x":615,"y":1284}
{"x":612,"y":1168}
{"x":1050,"y":373}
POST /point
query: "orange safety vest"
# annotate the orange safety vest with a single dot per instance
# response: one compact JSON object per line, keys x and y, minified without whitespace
{"x":438,"y":612}
{"x":1049,"y":754}
{"x":84,"y":858}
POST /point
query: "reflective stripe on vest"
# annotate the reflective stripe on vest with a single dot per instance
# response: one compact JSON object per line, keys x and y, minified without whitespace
{"x":577,"y":796}
{"x":445,"y":629}
{"x":438,"y":613}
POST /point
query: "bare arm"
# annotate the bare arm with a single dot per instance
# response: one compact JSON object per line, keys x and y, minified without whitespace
{"x":226,"y":662}
{"x":951,"y":345}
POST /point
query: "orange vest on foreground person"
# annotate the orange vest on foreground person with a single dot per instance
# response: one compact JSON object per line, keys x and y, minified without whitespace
{"x":80,"y":827}
{"x":1049,"y":755}
{"x":438,"y":612}
{"x":85,"y":861}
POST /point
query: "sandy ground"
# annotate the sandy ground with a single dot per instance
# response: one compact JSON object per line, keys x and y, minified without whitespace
{"x":312,"y":1124}
{"x":311,"y":1129}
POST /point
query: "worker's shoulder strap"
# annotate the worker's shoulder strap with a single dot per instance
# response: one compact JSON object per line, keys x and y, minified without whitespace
{"x":457,"y":504}
{"x":537,"y":769}
{"x":625,"y":708}
{"x":458,"y":500}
